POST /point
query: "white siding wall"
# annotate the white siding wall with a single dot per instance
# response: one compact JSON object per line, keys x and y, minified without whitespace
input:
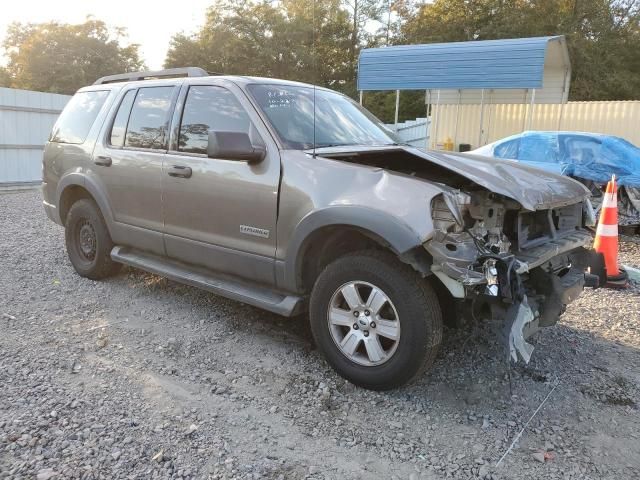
{"x":26,"y":119}
{"x":552,"y":92}
{"x":499,"y":121}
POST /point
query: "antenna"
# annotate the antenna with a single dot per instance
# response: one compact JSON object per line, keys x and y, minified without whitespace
{"x":313,"y":74}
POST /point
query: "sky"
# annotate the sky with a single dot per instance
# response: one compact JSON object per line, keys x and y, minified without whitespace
{"x":149,"y":23}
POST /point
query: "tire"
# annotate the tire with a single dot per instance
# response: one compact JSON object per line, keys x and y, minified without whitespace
{"x":411,"y":308}
{"x":88,"y":241}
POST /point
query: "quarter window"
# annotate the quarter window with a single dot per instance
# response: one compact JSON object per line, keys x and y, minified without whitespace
{"x":78,"y":116}
{"x":122,"y":117}
{"x":149,"y":119}
{"x":209,"y":108}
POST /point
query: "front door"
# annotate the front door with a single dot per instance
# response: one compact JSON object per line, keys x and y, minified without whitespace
{"x":128,"y":161}
{"x":220,"y":213}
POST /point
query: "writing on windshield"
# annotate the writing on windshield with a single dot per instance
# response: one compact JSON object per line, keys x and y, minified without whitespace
{"x":338,"y":120}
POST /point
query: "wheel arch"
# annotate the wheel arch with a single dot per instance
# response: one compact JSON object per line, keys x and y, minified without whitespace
{"x":332,"y":232}
{"x":75,"y":186}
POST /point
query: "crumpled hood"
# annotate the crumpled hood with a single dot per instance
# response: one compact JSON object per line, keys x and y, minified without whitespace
{"x":534,"y":189}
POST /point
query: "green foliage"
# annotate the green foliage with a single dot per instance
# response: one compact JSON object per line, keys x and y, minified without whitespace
{"x":383,"y":105}
{"x":270,"y":40}
{"x":316,"y":42}
{"x":60,"y":58}
{"x":5,"y":79}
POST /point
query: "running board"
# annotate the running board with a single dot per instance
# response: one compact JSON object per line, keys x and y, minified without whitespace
{"x":258,"y":296}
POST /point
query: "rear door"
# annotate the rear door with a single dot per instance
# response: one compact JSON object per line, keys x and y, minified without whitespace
{"x":129,"y":160}
{"x":222,"y":213}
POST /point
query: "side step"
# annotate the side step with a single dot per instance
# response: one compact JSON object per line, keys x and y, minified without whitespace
{"x":258,"y":296}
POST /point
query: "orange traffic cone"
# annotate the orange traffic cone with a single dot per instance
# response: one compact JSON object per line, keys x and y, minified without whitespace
{"x":606,"y":241}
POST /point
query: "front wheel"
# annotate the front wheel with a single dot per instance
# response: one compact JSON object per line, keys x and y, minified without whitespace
{"x":376,"y":320}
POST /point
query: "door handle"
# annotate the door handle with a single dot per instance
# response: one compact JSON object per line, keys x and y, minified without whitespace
{"x":102,"y":160}
{"x":180,"y":171}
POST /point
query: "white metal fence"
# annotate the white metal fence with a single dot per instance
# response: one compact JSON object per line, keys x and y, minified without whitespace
{"x":26,"y":119}
{"x":469,"y":124}
{"x":413,"y":132}
{"x":478,"y":126}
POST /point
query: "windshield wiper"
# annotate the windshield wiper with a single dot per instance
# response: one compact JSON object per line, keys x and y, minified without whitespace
{"x":329,"y":145}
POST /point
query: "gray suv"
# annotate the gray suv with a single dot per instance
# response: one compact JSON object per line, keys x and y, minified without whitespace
{"x":295,"y":199}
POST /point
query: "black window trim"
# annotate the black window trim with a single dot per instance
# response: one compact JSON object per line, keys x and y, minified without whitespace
{"x":167,"y":136}
{"x":107,"y":136}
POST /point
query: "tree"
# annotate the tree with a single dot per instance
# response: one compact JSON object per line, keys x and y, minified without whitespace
{"x":393,"y":12}
{"x":60,"y":58}
{"x":361,"y":13}
{"x":603,"y":35}
{"x":260,"y":38}
{"x":5,"y":79}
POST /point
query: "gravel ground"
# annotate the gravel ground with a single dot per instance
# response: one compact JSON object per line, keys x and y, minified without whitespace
{"x":140,"y":377}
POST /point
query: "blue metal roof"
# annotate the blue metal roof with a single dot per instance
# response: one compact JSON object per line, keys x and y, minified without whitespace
{"x":510,"y":63}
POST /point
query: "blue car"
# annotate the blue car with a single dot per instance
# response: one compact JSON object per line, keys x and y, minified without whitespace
{"x":590,"y":158}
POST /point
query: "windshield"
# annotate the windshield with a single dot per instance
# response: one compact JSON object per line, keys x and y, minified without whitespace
{"x":339,"y":121}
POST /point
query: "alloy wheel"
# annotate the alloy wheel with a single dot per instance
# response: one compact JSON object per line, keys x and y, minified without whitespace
{"x":364,"y":323}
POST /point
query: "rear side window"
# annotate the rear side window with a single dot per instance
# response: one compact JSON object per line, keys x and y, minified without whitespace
{"x":582,"y":150}
{"x":507,"y":149}
{"x":78,"y":116}
{"x":149,"y":119}
{"x":209,"y":108}
{"x":119,"y":127}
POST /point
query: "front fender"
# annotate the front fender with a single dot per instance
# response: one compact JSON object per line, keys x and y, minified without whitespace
{"x":381,"y":226}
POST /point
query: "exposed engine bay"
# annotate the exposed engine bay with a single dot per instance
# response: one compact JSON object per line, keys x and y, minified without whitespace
{"x":526,"y":264}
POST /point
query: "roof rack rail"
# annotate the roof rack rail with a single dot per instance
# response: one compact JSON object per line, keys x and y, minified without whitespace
{"x":167,"y":73}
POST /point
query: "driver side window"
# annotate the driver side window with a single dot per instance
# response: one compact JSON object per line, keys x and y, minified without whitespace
{"x":208,"y":107}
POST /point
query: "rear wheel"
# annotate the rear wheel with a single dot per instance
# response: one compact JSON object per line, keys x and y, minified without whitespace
{"x":88,"y":241}
{"x":376,"y":320}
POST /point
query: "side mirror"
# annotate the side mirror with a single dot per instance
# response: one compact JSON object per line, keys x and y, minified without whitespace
{"x":234,"y":146}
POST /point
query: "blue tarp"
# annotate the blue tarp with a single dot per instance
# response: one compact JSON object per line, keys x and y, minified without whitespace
{"x":589,"y":156}
{"x":617,"y":157}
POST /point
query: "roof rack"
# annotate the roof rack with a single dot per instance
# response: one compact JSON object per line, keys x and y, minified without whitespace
{"x":148,"y":75}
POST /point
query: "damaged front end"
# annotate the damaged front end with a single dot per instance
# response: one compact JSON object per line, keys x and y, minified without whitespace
{"x":526,"y":265}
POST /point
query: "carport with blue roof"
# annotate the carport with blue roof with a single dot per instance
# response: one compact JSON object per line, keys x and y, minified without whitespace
{"x":522,"y":70}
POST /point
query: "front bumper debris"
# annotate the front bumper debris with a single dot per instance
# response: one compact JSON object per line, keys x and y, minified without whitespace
{"x":549,"y":294}
{"x":520,"y":315}
{"x":528,"y":290}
